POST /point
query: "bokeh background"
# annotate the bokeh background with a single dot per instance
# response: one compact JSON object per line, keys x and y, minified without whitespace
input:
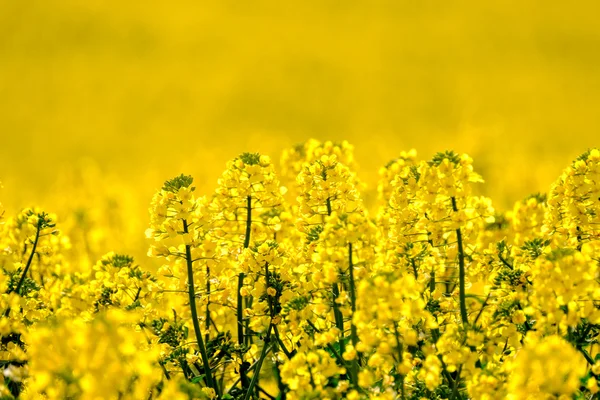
{"x":101,"y":101}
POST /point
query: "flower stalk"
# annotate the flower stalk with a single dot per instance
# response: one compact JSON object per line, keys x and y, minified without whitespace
{"x":461,"y":271}
{"x":210,"y":382}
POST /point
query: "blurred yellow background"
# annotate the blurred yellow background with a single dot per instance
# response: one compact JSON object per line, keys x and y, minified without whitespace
{"x":101,"y":101}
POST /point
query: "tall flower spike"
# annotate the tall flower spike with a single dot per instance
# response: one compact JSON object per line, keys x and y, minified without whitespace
{"x":249,"y":208}
{"x":178,"y":218}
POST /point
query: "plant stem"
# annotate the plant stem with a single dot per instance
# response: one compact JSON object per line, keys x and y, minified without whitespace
{"x":263,"y":353}
{"x":248,"y":222}
{"x":337,"y":314}
{"x":339,"y":318}
{"x":432,"y":280}
{"x":240,"y":300}
{"x":353,"y":331}
{"x":207,"y":322}
{"x":29,"y":261}
{"x":240,"y":310}
{"x":414,"y":267}
{"x":456,"y":382}
{"x":266,"y":345}
{"x":288,"y":354}
{"x":192,"y":296}
{"x":461,"y":271}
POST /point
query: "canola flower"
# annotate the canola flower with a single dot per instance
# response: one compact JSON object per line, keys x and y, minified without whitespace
{"x":289,"y":287}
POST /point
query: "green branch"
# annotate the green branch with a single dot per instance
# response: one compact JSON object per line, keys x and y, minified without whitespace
{"x":461,"y":271}
{"x":192,"y":296}
{"x":30,"y":260}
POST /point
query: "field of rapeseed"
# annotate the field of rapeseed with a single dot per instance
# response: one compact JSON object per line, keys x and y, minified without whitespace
{"x":282,"y":285}
{"x":297,"y":274}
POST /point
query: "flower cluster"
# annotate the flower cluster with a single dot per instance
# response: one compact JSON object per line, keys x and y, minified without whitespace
{"x":303,"y":291}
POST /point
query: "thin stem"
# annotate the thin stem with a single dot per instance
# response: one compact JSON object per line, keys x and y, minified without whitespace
{"x":481,"y":309}
{"x":35,"y":243}
{"x":240,"y":300}
{"x":272,"y":315}
{"x":267,"y":341}
{"x":337,"y":313}
{"x":240,"y":310}
{"x":587,"y":357}
{"x":192,"y":296}
{"x":269,"y":301}
{"x":414,"y":267}
{"x":263,"y":355}
{"x":432,"y":280}
{"x":288,"y":354}
{"x":238,"y":380}
{"x":456,"y":381}
{"x":240,"y":326}
{"x":353,"y":331}
{"x":248,"y":222}
{"x":339,"y":318}
{"x":505,"y":262}
{"x":137,"y":295}
{"x":461,"y":271}
{"x":208,"y":319}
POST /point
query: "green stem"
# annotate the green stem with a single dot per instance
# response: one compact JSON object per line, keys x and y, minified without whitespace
{"x":456,"y":382}
{"x":207,"y":303}
{"x":288,"y":354}
{"x":250,"y":368}
{"x":337,"y":314}
{"x":505,"y":262}
{"x":353,"y":331}
{"x":240,"y":299}
{"x":414,"y":268}
{"x":481,"y":309}
{"x":29,"y":261}
{"x":432,"y":280}
{"x":267,"y":341}
{"x":248,"y":222}
{"x":240,"y":310}
{"x":339,"y":318}
{"x":192,"y":296}
{"x":587,"y":357}
{"x":461,"y":271}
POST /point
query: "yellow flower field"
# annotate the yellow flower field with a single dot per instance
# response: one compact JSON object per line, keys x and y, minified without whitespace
{"x":284,"y":285}
{"x":307,"y":251}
